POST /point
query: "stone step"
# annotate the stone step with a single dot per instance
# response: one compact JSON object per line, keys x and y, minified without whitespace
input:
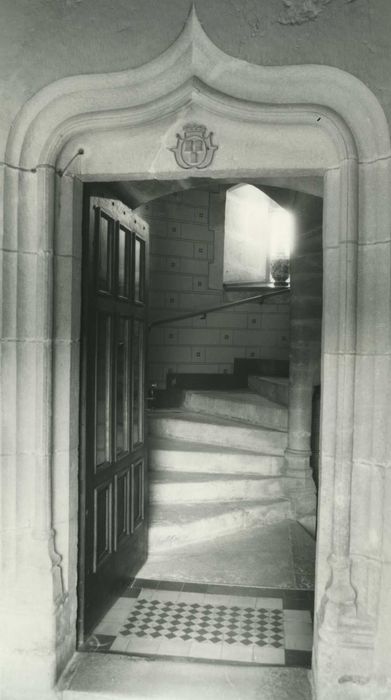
{"x":173,"y":487}
{"x":275,"y":389}
{"x":182,"y":456}
{"x":241,"y":405}
{"x":197,"y":427}
{"x":108,"y":676}
{"x":183,"y":524}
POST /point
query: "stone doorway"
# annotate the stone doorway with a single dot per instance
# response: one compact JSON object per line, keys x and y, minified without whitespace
{"x":275,"y":122}
{"x":223,"y":528}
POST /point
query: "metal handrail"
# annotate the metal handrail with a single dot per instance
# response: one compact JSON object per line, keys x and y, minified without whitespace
{"x":204,"y":312}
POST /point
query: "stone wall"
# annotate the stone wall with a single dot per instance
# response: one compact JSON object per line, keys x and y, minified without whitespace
{"x":187,"y":230}
{"x":353,"y":579}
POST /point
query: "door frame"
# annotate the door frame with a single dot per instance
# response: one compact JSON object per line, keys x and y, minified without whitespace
{"x":301,"y":122}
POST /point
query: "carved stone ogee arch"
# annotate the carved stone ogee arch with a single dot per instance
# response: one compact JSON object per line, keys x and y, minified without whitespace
{"x":300,"y":120}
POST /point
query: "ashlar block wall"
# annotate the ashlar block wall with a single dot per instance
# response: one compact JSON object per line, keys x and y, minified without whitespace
{"x":187,"y":238}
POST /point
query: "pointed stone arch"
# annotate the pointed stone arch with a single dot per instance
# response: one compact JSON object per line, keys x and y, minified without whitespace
{"x":293,"y":120}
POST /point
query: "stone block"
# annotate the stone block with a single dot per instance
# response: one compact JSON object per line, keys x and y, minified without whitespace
{"x":8,"y":364}
{"x":373,"y":294}
{"x":181,"y":212}
{"x":329,"y":403}
{"x":197,"y":232}
{"x":193,"y":267}
{"x":216,"y":209}
{"x":164,"y":282}
{"x":160,"y":263}
{"x":275,"y":322}
{"x":35,"y":191}
{"x":303,"y":306}
{"x":194,"y":368}
{"x":195,"y":301}
{"x":201,"y":214}
{"x":306,"y":283}
{"x":198,"y":336}
{"x":374,"y":186}
{"x":170,"y":336}
{"x":364,"y":407}
{"x":200,"y":284}
{"x":331,"y":208}
{"x":67,"y":305}
{"x":383,"y":638}
{"x":247,"y":337}
{"x":267,"y":353}
{"x":385,"y":524}
{"x":224,"y":354}
{"x":227,"y":319}
{"x":283,"y":339}
{"x":196,"y":198}
{"x":65,"y":501}
{"x":198,"y":354}
{"x":170,"y":300}
{"x":171,"y":264}
{"x":170,"y":368}
{"x":10,"y":214}
{"x":174,"y":229}
{"x":66,"y":370}
{"x":169,"y":354}
{"x":160,"y":246}
{"x":225,"y":337}
{"x":2,"y":178}
{"x":155,"y":372}
{"x":66,"y":233}
{"x":156,"y":335}
{"x":32,"y":410}
{"x":254,"y":320}
{"x":365,"y":577}
{"x":200,"y":322}
{"x":308,"y":212}
{"x":269,"y":338}
{"x":331,"y":300}
{"x":309,"y":262}
{"x":367,"y":510}
{"x":33,"y":287}
{"x":381,"y":414}
{"x":158,"y":228}
{"x":201,"y":251}
{"x":9,"y":293}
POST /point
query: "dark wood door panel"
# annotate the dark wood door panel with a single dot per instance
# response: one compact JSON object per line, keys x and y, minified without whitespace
{"x":113,"y":466}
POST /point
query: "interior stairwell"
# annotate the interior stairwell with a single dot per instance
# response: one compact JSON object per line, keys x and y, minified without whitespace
{"x":216,"y":464}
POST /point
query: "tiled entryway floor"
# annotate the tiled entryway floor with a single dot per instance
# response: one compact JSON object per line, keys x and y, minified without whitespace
{"x":209,"y":622}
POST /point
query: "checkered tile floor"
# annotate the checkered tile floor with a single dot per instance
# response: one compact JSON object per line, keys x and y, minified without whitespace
{"x":219,"y":623}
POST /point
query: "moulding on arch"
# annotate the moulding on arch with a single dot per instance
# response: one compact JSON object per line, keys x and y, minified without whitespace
{"x":324,"y":89}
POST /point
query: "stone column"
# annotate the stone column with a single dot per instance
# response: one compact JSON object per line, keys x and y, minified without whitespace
{"x":30,"y":576}
{"x":305,"y":350}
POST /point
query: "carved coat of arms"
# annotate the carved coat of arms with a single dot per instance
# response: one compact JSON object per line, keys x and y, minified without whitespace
{"x":194,"y":149}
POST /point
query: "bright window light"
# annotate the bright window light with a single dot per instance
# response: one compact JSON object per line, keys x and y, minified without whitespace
{"x":258,"y":238}
{"x":281,"y":233}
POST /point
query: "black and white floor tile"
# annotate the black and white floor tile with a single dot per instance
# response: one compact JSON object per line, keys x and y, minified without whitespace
{"x":215,"y":622}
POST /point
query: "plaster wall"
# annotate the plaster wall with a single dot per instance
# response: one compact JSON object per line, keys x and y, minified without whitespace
{"x":42,"y":41}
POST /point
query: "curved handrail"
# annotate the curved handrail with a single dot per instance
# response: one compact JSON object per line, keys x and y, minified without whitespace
{"x":204,"y":312}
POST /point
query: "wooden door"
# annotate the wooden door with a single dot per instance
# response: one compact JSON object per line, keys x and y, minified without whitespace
{"x":113,"y":526}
